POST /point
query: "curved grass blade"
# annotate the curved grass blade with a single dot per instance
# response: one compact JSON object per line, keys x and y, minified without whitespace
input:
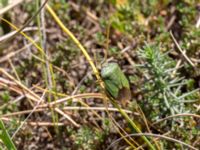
{"x":5,"y":137}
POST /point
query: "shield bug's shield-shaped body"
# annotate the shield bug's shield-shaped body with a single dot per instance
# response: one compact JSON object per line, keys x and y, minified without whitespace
{"x":116,"y":83}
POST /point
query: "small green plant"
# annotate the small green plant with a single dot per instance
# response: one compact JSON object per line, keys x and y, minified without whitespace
{"x":3,"y":2}
{"x":165,"y":90}
{"x":5,"y":96}
{"x":87,"y":138}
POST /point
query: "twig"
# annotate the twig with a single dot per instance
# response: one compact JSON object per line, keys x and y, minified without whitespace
{"x":182,"y":52}
{"x":67,"y":117}
{"x":41,"y":99}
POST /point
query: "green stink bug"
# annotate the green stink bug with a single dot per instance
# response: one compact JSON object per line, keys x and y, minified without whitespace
{"x":116,"y":83}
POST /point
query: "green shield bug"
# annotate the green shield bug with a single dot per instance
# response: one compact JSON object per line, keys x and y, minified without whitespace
{"x":116,"y":83}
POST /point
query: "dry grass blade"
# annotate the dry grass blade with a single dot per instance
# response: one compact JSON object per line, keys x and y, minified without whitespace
{"x":67,"y":108}
{"x":182,"y":52}
{"x":12,"y":54}
{"x":67,"y":117}
{"x":69,"y":33}
{"x":7,"y":36}
{"x":154,"y":135}
{"x":85,"y":95}
{"x":14,"y":87}
{"x":32,"y":123}
{"x":36,"y":97}
{"x":41,"y":99}
{"x":10,"y":6}
{"x":177,"y":115}
{"x":24,"y":26}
